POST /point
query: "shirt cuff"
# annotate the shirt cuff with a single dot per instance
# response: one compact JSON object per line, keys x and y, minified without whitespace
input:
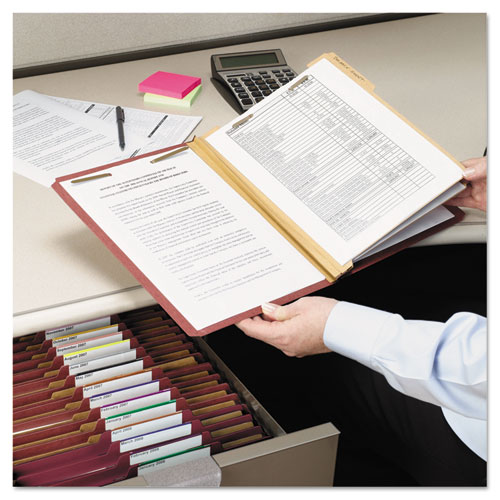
{"x":352,"y":330}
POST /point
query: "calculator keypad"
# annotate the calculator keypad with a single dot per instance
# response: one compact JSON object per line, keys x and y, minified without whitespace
{"x":251,"y":87}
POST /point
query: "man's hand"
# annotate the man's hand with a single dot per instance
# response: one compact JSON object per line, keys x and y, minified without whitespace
{"x":295,"y":329}
{"x":474,"y":195}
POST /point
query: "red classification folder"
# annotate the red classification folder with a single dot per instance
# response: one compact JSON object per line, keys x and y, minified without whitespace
{"x":98,"y":441}
{"x":379,"y":180}
{"x":211,"y":445}
{"x":130,"y":318}
{"x":100,"y":405}
{"x":104,"y":452}
{"x":62,"y":411}
{"x":159,"y":404}
{"x":61,"y":378}
{"x":48,"y":351}
{"x":113,"y":466}
{"x":80,"y":398}
{"x":97,"y":430}
{"x":168,"y":349}
{"x":30,"y":418}
{"x":77,"y":358}
{"x":159,"y":390}
{"x":164,"y":345}
{"x":139,"y":275}
{"x":36,"y":354}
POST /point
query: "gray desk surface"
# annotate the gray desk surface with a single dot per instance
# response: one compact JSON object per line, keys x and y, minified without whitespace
{"x":432,"y":69}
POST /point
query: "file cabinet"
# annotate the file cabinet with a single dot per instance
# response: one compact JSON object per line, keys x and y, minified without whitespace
{"x":302,"y":458}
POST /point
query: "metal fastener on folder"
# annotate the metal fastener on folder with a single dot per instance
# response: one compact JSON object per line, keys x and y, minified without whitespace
{"x":91,"y":178}
{"x":238,"y":123}
{"x":168,"y":155}
{"x":296,"y":84}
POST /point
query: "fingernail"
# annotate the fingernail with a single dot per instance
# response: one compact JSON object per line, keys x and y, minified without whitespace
{"x":469,"y":171}
{"x":268,"y":308}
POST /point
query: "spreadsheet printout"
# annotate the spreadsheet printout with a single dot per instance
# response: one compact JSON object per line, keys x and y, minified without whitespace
{"x":347,"y":159}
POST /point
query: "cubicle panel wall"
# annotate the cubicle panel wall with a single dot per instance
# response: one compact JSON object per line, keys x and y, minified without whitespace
{"x":96,"y":38}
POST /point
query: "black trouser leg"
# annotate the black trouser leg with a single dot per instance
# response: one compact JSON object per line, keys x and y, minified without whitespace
{"x":379,"y":423}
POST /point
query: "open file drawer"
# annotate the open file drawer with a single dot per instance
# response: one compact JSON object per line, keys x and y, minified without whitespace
{"x":302,"y":458}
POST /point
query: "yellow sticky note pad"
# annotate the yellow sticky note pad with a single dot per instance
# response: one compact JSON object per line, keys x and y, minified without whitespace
{"x":184,"y":103}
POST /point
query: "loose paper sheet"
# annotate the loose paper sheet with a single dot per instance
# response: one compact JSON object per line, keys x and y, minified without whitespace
{"x":158,"y":130}
{"x":55,"y":136}
{"x":51,"y":139}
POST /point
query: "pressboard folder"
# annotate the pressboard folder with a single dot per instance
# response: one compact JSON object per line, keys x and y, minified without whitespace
{"x":323,"y":261}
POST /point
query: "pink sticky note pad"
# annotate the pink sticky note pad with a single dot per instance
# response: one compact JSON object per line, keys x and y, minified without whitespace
{"x":169,"y":84}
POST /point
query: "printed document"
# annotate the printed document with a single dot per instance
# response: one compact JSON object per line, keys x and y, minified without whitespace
{"x":55,"y":137}
{"x":158,"y":130}
{"x":202,"y":246}
{"x":51,"y":139}
{"x":343,"y":166}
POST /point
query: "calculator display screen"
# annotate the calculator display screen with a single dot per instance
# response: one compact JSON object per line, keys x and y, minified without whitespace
{"x":242,"y":61}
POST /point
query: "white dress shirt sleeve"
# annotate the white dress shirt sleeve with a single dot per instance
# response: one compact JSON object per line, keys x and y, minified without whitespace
{"x":441,"y":363}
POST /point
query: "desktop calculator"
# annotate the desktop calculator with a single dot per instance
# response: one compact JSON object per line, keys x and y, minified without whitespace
{"x":248,"y":77}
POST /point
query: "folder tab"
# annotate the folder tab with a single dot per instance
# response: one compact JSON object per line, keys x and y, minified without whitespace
{"x":347,"y":69}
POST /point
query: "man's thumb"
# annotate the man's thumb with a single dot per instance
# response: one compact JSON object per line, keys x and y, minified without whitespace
{"x":276,"y":312}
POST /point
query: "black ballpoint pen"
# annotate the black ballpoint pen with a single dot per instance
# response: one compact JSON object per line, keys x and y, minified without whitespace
{"x":120,"y":118}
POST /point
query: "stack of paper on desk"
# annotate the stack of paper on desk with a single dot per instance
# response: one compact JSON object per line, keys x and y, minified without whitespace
{"x":54,"y":136}
{"x":94,"y":407}
{"x":275,"y":204}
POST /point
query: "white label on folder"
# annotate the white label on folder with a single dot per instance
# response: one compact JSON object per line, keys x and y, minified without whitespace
{"x":86,"y":344}
{"x":155,"y":437}
{"x":114,"y":385}
{"x":124,"y":394}
{"x":95,"y":364}
{"x":166,"y":449}
{"x":114,"y":371}
{"x":140,"y":416}
{"x":88,"y":334}
{"x":77,"y":327}
{"x":134,"y":404}
{"x":174,"y":460}
{"x":145,"y":427}
{"x":97,"y":352}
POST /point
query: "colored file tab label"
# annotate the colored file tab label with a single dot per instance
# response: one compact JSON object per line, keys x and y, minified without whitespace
{"x":169,"y":84}
{"x":113,"y":371}
{"x":85,"y":334}
{"x":77,"y":327}
{"x":96,"y":364}
{"x":155,"y":437}
{"x":140,"y":402}
{"x":144,"y":427}
{"x":97,"y":352}
{"x":176,"y":459}
{"x":86,"y":344}
{"x":135,"y":416}
{"x":122,"y":389}
{"x":160,"y":452}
